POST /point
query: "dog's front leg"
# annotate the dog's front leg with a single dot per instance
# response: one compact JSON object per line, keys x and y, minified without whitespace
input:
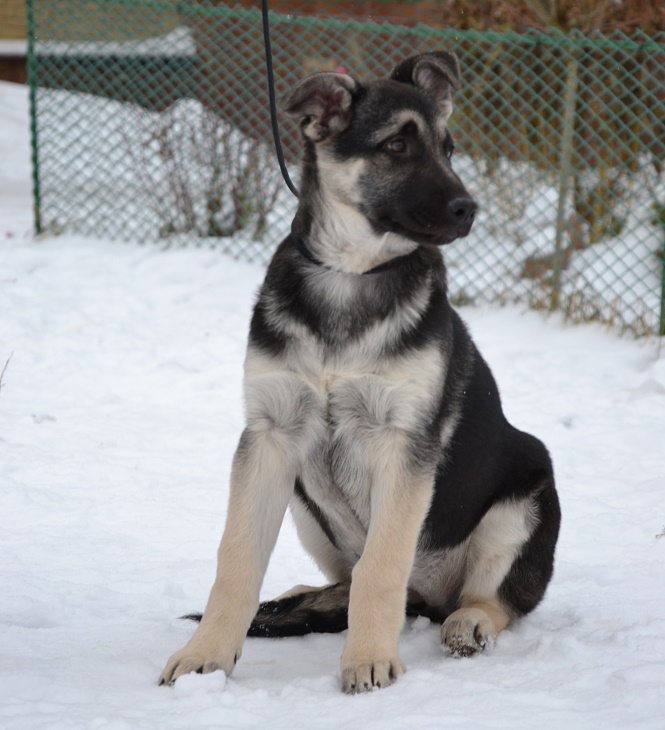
{"x":377,"y":602}
{"x":262,"y":481}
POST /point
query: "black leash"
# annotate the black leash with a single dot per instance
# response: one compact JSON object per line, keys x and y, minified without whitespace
{"x":299,"y":244}
{"x":271,"y":97}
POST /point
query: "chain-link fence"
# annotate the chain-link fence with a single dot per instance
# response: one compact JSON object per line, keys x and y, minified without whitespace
{"x":150,"y":122}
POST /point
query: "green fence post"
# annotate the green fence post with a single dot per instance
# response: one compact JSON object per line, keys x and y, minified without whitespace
{"x":565,"y":172}
{"x":661,"y":330}
{"x":32,"y":81}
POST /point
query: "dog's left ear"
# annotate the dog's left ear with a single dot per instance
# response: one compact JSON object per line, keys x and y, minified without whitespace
{"x":435,"y":73}
{"x":321,"y":104}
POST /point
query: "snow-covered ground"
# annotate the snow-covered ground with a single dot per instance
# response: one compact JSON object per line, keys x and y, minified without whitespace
{"x":119,"y":412}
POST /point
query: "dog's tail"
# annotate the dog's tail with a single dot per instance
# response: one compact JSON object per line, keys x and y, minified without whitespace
{"x":319,"y":611}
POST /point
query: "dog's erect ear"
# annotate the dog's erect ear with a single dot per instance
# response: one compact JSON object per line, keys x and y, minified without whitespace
{"x":321,"y":104}
{"x":435,"y":73}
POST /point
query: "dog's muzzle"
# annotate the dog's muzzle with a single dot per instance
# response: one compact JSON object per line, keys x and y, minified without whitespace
{"x":432,"y":222}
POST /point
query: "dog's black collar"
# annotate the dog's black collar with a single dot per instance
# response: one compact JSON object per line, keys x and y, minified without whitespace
{"x":306,"y":253}
{"x":385,"y":266}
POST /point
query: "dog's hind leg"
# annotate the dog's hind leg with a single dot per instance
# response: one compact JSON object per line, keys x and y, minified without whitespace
{"x":510,"y":564}
{"x":494,"y":546}
{"x":470,"y":628}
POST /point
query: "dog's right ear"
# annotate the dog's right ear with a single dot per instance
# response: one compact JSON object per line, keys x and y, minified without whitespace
{"x":321,"y":104}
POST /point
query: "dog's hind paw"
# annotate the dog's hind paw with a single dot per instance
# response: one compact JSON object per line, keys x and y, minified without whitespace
{"x":467,"y":631}
{"x":370,"y":675}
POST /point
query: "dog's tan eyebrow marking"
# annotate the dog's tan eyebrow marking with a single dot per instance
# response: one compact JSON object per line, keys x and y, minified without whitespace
{"x":442,"y":125}
{"x":396,"y":123}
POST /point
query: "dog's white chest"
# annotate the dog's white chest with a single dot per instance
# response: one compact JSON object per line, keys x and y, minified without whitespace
{"x":343,"y":420}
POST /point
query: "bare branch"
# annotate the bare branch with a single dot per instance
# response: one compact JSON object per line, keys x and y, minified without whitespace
{"x":2,"y":374}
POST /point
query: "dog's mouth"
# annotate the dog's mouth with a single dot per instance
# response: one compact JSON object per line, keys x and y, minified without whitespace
{"x":426,"y":234}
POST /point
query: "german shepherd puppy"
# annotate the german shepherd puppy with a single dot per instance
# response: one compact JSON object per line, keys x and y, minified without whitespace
{"x":369,"y":409}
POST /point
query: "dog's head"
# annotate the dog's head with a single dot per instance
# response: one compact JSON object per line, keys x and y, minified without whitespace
{"x":384,"y":146}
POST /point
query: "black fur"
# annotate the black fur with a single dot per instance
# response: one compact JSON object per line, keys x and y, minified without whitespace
{"x":315,"y":511}
{"x":319,"y":612}
{"x":406,"y":190}
{"x":488,"y":461}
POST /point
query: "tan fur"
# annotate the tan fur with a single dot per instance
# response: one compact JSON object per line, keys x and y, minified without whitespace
{"x":342,"y":237}
{"x":495,"y":544}
{"x":261,"y":485}
{"x":262,"y":478}
{"x":493,"y":547}
{"x":396,"y":122}
{"x":297,"y":590}
{"x":379,"y":583}
{"x":472,"y":627}
{"x":352,"y":413}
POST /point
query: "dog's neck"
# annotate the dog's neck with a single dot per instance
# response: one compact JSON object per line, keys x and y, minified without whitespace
{"x":342,"y":239}
{"x":334,"y":229}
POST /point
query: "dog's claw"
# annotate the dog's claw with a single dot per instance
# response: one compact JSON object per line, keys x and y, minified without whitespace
{"x":459,"y":649}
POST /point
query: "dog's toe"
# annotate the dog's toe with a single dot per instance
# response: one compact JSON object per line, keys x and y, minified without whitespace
{"x":177,"y":666}
{"x":367,"y":676}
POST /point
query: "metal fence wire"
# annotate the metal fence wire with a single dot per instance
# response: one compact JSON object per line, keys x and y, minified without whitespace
{"x":150,"y":123}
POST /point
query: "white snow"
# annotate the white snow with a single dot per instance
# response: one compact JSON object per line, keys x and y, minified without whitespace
{"x":178,"y":42}
{"x":11,"y":47}
{"x":119,"y":413}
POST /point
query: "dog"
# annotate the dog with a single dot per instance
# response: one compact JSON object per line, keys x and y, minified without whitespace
{"x":370,"y":412}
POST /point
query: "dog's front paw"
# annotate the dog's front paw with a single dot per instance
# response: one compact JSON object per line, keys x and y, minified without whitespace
{"x":467,"y":631}
{"x":202,"y":662}
{"x":365,"y":676}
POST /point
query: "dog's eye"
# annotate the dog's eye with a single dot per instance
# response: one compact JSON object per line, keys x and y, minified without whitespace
{"x":396,"y":146}
{"x":448,"y":149}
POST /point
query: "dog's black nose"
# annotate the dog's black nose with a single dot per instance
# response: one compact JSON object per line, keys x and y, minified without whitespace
{"x":463,"y":209}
